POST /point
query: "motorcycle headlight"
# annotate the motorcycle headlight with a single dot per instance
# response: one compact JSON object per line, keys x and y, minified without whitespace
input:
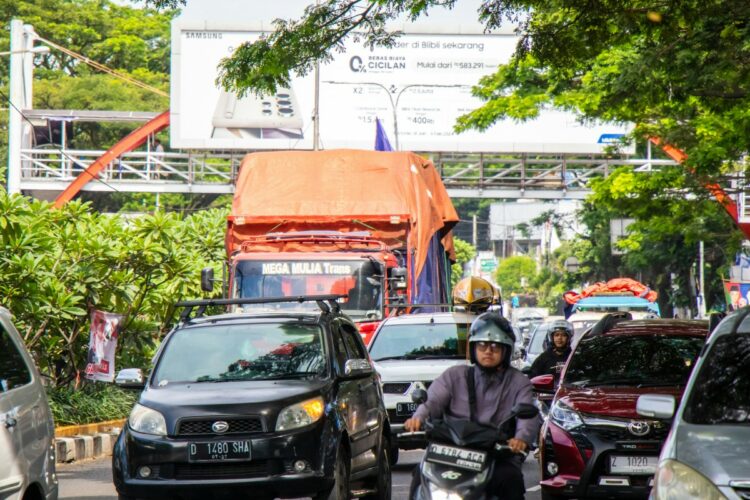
{"x":565,"y":417}
{"x":300,"y":414}
{"x":675,"y":480}
{"x":441,"y":494}
{"x":148,"y":421}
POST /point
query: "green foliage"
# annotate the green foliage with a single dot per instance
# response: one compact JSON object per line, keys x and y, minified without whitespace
{"x":511,"y":270}
{"x":93,"y":403}
{"x":58,"y":265}
{"x":464,"y":253}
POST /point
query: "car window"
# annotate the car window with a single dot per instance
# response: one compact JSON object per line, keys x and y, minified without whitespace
{"x":13,"y":370}
{"x":537,"y":341}
{"x":353,"y":342}
{"x":420,"y":340}
{"x":261,"y":351}
{"x":645,"y":360}
{"x":721,"y":393}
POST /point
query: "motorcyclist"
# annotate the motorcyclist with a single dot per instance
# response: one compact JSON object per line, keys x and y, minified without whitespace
{"x":498,"y":387}
{"x":552,"y":361}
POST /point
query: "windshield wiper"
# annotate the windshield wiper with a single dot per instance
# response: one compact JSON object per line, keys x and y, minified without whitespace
{"x":617,"y":381}
{"x":402,"y":356}
{"x":441,"y":356}
{"x":289,"y":375}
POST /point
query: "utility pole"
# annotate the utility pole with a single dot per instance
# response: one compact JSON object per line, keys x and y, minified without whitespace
{"x":15,"y":104}
{"x":701,"y":283}
{"x":474,"y":230}
{"x":316,"y":110}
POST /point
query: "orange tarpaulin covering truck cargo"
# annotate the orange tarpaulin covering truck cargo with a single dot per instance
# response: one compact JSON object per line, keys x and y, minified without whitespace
{"x":373,"y":225}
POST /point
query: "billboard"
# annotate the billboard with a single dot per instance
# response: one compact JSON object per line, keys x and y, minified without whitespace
{"x":417,"y":88}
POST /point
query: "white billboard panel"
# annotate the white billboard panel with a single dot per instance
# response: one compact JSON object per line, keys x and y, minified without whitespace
{"x":418,"y":89}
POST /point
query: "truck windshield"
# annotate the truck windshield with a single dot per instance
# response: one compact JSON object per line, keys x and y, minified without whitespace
{"x":359,"y":279}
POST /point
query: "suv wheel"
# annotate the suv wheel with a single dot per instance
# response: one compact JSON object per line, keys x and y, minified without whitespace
{"x":382,"y":482}
{"x":341,"y":489}
{"x":393,"y":456}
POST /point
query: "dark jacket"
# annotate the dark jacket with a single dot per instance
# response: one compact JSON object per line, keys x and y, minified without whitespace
{"x":550,"y":362}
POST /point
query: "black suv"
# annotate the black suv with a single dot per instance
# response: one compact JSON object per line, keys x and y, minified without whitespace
{"x":270,"y":404}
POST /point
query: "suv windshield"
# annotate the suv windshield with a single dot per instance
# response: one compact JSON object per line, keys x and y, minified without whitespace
{"x":721,"y":393}
{"x":643,"y":360}
{"x":536,"y":346}
{"x":441,"y":340}
{"x":263,"y":351}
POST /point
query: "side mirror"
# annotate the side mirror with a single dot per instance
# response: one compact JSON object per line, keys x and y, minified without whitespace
{"x":419,"y":396}
{"x":398,"y":274}
{"x":207,"y":279}
{"x":544,"y":383}
{"x":357,"y":368}
{"x":655,"y":405}
{"x":130,"y":378}
{"x":517,"y":354}
{"x":525,"y":410}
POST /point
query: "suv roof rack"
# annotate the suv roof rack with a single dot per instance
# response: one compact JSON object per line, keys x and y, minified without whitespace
{"x":609,"y":321}
{"x":326,"y":303}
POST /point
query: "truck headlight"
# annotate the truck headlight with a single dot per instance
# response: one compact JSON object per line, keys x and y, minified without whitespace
{"x":148,"y":421}
{"x":675,"y":480}
{"x":565,"y":417}
{"x":300,"y":414}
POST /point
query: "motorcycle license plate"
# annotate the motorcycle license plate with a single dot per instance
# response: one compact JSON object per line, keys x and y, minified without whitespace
{"x":219,"y":451}
{"x":462,"y":458}
{"x":405,"y":409}
{"x":619,"y":464}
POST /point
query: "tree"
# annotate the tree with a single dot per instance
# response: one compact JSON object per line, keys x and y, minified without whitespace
{"x":679,"y":70}
{"x":464,"y":253}
{"x":510,"y":272}
{"x":133,"y":41}
{"x":58,"y":265}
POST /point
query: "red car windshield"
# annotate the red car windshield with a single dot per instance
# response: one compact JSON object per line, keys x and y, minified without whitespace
{"x":633,"y":360}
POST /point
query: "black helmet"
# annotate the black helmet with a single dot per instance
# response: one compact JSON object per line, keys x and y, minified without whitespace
{"x":491,"y":327}
{"x":557,"y":326}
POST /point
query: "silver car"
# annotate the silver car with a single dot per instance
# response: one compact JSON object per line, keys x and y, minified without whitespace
{"x":705,"y":456}
{"x":411,"y":351}
{"x":27,"y":453}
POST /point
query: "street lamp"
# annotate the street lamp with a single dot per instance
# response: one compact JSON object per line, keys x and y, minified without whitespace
{"x":394,"y":104}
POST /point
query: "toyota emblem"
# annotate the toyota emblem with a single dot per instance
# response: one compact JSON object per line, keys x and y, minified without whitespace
{"x":220,"y":427}
{"x":639,"y":428}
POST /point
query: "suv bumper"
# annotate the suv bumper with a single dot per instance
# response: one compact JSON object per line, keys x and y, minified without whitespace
{"x":270,"y":472}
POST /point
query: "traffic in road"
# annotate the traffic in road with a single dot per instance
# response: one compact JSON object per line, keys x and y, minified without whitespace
{"x":92,"y":480}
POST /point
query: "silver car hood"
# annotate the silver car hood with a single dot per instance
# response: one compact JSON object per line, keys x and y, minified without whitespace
{"x":408,"y":370}
{"x":719,"y":452}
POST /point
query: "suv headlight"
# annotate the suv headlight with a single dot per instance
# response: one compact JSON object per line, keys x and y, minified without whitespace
{"x":148,"y":421}
{"x":565,"y":417}
{"x":675,"y":480}
{"x":300,"y":414}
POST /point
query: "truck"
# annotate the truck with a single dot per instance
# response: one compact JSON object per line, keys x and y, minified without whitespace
{"x":374,"y":226}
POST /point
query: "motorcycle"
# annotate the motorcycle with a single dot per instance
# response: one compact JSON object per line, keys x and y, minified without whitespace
{"x":459,"y":461}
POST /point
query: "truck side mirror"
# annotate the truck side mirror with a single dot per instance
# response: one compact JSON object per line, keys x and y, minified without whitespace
{"x":207,"y":279}
{"x":398,"y":274}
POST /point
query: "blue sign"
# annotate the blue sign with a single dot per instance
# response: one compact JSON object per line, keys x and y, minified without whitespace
{"x":609,"y":138}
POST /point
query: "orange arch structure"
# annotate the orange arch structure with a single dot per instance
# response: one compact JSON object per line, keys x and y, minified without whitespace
{"x":128,"y":143}
{"x":716,"y":190}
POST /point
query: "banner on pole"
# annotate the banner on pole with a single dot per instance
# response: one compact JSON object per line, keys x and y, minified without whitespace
{"x":105,"y":328}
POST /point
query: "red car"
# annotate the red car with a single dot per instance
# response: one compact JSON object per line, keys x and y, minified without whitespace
{"x":593,"y":443}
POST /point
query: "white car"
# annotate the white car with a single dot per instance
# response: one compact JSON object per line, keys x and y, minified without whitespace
{"x":411,"y":351}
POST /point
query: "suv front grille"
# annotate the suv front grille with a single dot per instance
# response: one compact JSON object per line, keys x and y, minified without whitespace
{"x":258,"y":468}
{"x":396,"y":388}
{"x":402,"y":387}
{"x":248,"y":425}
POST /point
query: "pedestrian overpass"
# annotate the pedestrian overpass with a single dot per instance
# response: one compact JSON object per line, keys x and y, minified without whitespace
{"x":46,"y":172}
